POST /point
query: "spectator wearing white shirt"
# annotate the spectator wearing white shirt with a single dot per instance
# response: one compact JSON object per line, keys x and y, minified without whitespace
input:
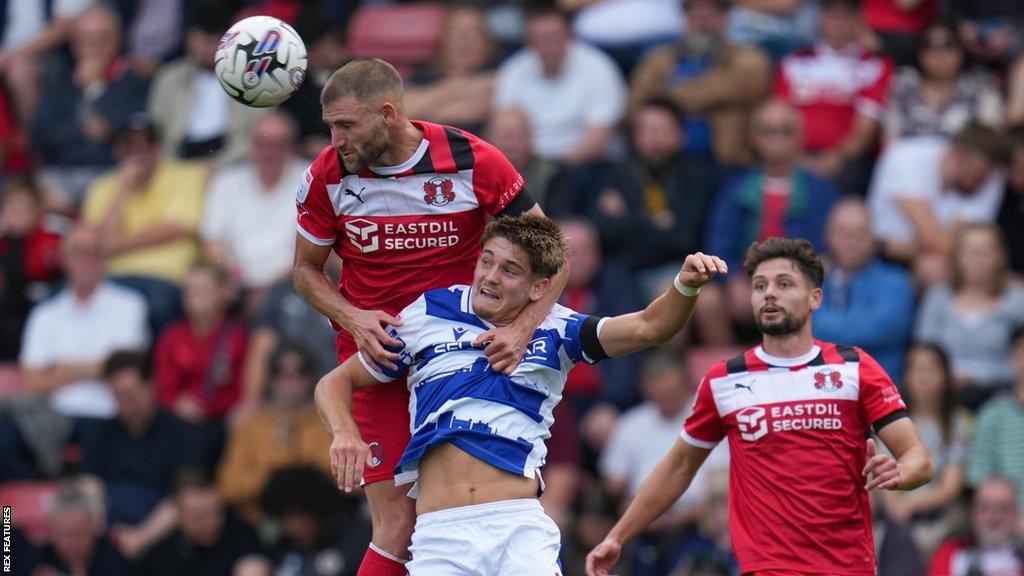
{"x":249,"y":221}
{"x":640,"y":438}
{"x":924,"y":188}
{"x":68,"y":338}
{"x":573,"y":94}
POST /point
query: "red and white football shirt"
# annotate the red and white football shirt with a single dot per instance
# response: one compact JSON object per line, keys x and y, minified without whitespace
{"x":831,"y":88}
{"x":797,"y":430}
{"x":406,"y":229}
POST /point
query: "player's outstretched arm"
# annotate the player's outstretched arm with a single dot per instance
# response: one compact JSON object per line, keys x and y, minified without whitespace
{"x":664,"y":317}
{"x":365,"y":326}
{"x":333,"y":397}
{"x":659,"y":492}
{"x":909,"y":466}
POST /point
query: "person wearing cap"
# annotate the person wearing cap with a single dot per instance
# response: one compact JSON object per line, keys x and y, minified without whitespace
{"x":148,"y":211}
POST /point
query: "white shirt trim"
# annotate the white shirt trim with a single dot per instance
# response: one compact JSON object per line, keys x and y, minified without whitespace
{"x":314,"y":239}
{"x":393,"y":170}
{"x":695,"y":442}
{"x":787,"y":362}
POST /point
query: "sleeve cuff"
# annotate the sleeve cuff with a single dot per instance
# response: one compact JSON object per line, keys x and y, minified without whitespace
{"x":314,"y":239}
{"x":373,"y":370}
{"x":695,"y":442}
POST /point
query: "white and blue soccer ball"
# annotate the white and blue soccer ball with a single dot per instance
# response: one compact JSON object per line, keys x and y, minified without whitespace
{"x":261,"y":61}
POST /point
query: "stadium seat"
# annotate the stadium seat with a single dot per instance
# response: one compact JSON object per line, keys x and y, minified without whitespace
{"x":405,"y":35}
{"x":701,"y":358}
{"x":29,"y":502}
{"x":10,"y":380}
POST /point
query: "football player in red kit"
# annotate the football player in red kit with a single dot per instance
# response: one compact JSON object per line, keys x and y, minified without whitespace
{"x":796,"y":412}
{"x":404,"y":204}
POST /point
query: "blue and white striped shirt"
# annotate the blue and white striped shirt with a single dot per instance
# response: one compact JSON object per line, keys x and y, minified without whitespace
{"x":456,"y":397}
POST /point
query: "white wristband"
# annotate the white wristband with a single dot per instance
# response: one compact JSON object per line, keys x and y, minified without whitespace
{"x":685,"y":290}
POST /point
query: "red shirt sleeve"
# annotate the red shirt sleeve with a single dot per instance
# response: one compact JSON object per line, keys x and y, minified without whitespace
{"x":496,"y":181}
{"x":873,"y":97}
{"x":782,"y":88}
{"x":164,"y":373}
{"x":703,"y":428}
{"x":879,"y":397}
{"x":317,"y":221}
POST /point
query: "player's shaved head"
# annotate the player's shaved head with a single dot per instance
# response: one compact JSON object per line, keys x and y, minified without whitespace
{"x":541,"y":239}
{"x":368,"y":80}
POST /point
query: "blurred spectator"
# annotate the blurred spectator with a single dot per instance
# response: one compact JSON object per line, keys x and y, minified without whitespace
{"x":511,"y":132}
{"x":208,"y":540}
{"x":325,"y":49}
{"x":456,"y":87}
{"x":148,"y":211}
{"x":285,"y":317}
{"x":68,"y":337}
{"x":137,"y":455}
{"x":79,"y":109}
{"x":1015,"y":94}
{"x":659,"y":190}
{"x":709,"y":551}
{"x":778,"y":27}
{"x":716,"y":83}
{"x":601,"y":289}
{"x":933,"y":511}
{"x":199,"y":359}
{"x":841,"y":88}
{"x":924,"y":188}
{"x":996,"y":447}
{"x":197,"y":118}
{"x":974,"y":315}
{"x":285,"y":431}
{"x":994,"y":546}
{"x":13,"y":141}
{"x":990,"y":29}
{"x":866,"y":302}
{"x":153,"y":32}
{"x":554,"y":80}
{"x":641,"y":437}
{"x":777,"y":198}
{"x":249,"y":222}
{"x":563,"y":468}
{"x":625,"y":29}
{"x":29,"y":260}
{"x":1011,"y":214}
{"x":24,"y":555}
{"x":899,"y":24}
{"x":941,"y":98}
{"x":30,"y":32}
{"x":323,"y":532}
{"x":78,"y":546}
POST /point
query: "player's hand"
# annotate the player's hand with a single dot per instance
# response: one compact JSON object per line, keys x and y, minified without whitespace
{"x":367,"y":327}
{"x":504,"y":347}
{"x":348,"y":458}
{"x":699,"y":268}
{"x":602,"y":558}
{"x":882,"y":470}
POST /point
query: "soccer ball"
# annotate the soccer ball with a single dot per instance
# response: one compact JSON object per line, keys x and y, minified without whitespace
{"x":261,"y":61}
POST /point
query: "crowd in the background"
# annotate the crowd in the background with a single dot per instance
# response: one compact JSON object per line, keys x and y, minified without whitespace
{"x":156,"y":364}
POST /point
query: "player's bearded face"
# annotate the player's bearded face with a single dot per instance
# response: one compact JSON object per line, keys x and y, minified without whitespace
{"x":774,"y":320}
{"x":781,"y":297}
{"x":362,"y":154}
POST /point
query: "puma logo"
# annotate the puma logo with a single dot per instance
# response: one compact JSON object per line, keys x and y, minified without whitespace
{"x":748,"y":387}
{"x":358,"y":195}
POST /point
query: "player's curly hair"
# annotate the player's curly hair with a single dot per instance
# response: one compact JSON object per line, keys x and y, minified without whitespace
{"x":800,"y":251}
{"x":545,"y":246}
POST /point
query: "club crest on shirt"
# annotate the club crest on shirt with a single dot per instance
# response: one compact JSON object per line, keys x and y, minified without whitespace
{"x":828,"y":380}
{"x":438,"y":191}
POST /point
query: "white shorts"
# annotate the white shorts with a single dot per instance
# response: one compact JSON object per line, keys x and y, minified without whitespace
{"x":507,"y":538}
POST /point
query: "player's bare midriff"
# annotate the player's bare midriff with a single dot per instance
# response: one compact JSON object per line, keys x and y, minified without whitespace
{"x":449,"y":478}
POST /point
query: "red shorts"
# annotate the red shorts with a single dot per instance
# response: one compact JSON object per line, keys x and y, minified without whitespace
{"x":382,"y":415}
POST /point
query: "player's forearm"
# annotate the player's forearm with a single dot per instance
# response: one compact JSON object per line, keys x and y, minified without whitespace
{"x":659,"y":492}
{"x":333,"y":397}
{"x":667,"y":315}
{"x":915,"y":468}
{"x":313,"y":285}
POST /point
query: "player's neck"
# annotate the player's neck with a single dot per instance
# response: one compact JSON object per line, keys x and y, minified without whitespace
{"x":404,"y":144}
{"x":789,"y":346}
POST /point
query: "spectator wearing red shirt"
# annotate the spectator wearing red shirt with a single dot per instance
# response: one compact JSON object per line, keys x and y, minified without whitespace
{"x":199,"y":359}
{"x":993,"y":548}
{"x":841,"y":88}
